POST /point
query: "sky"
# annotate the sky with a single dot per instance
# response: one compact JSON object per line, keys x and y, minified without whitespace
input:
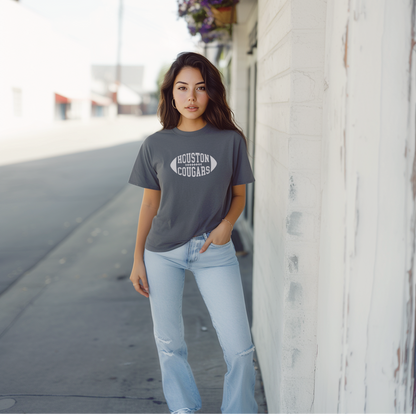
{"x":152,"y":33}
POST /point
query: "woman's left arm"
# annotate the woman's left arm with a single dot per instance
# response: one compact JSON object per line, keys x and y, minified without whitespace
{"x":222,"y":234}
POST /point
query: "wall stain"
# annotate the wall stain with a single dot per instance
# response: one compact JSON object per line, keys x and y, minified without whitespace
{"x":295,"y":292}
{"x":293,"y":223}
{"x":345,"y":376}
{"x":346,"y":48}
{"x":295,"y":356}
{"x":412,"y":45}
{"x":292,"y":188}
{"x":293,"y":264}
{"x":314,"y":380}
{"x":398,"y":363}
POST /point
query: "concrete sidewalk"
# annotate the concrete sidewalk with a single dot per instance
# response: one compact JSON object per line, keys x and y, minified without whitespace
{"x":32,"y":142}
{"x":76,"y":338}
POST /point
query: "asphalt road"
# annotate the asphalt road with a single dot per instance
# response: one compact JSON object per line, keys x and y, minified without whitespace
{"x":45,"y":200}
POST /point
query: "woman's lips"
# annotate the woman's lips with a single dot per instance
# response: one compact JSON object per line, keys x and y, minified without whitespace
{"x":191,"y":108}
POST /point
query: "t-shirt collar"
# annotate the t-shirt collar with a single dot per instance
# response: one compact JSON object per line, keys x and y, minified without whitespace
{"x":193,"y":133}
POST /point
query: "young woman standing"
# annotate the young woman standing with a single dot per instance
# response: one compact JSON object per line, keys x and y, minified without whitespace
{"x":194,"y":172}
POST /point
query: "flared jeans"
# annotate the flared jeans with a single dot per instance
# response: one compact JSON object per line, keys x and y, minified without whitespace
{"x":217,"y":275}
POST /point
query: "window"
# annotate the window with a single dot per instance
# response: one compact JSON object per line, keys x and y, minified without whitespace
{"x":17,"y":102}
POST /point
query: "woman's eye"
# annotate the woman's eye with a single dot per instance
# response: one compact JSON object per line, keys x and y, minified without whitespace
{"x":184,"y":88}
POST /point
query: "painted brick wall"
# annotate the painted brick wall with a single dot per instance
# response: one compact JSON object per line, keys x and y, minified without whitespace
{"x":366,"y":314}
{"x":291,"y":43}
{"x":238,"y":99}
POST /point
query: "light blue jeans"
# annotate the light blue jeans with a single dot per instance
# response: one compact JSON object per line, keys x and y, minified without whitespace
{"x":217,"y":275}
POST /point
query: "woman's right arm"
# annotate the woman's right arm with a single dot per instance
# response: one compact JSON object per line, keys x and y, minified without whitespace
{"x":148,"y":210}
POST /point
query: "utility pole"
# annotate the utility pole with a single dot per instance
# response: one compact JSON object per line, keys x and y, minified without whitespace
{"x":118,"y":73}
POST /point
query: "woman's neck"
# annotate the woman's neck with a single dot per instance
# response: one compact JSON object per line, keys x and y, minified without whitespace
{"x":186,"y":124}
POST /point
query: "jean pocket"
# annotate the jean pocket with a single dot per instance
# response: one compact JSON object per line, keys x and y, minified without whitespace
{"x":221,"y":245}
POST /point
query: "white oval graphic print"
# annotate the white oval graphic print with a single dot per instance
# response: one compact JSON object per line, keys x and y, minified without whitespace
{"x":193,"y":165}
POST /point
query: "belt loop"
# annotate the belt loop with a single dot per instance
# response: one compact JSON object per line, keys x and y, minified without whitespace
{"x":205,"y":236}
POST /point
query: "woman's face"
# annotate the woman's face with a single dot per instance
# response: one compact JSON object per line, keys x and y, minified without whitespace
{"x":189,"y":93}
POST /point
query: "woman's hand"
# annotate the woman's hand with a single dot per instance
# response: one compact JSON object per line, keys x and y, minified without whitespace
{"x":220,"y":235}
{"x":139,"y":273}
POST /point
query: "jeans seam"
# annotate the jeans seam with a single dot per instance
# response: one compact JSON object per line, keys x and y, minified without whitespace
{"x":182,"y":334}
{"x":225,"y":356}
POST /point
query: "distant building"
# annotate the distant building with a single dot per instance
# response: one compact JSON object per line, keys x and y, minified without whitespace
{"x":43,"y":75}
{"x":131,"y":96}
{"x":130,"y":75}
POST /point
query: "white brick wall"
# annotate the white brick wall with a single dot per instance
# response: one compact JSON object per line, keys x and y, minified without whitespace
{"x":238,"y":97}
{"x":287,"y":217}
{"x":335,"y":205}
{"x":366,"y":314}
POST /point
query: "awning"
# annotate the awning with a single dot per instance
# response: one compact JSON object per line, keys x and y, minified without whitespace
{"x":68,"y":96}
{"x":61,"y":99}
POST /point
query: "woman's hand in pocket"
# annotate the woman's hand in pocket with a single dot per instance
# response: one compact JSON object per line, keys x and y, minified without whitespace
{"x":139,"y":273}
{"x":219,"y":236}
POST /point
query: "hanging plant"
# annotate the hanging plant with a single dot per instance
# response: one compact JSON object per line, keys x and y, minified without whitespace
{"x":200,"y":18}
{"x":219,"y":34}
{"x":224,"y":11}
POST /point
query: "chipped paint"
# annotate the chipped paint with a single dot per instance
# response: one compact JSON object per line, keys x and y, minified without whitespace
{"x":293,"y":223}
{"x":396,"y":371}
{"x":293,"y":264}
{"x":292,"y":189}
{"x":295,"y":292}
{"x":346,"y":48}
{"x":295,"y":356}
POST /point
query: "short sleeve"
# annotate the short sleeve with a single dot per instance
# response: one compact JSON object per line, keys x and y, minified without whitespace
{"x":242,"y":172}
{"x":143,"y":173}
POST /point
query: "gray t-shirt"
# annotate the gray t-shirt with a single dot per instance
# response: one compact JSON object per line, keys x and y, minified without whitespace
{"x":195,"y":172}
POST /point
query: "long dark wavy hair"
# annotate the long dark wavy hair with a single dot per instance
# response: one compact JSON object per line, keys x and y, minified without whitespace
{"x":218,"y":113}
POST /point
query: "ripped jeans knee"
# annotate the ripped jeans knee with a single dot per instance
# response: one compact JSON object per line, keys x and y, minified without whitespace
{"x":166,"y":347}
{"x":247,"y":351}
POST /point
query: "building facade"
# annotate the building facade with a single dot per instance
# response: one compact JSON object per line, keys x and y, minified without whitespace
{"x":325,"y":92}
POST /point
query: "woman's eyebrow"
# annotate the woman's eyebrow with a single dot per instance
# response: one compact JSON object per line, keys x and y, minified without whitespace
{"x":181,"y":82}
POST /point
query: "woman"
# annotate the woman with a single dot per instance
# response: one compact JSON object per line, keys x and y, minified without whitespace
{"x":194,"y":173}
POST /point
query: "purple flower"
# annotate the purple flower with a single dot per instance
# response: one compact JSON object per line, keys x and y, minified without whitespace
{"x":218,"y":3}
{"x":200,"y":19}
{"x":205,"y":28}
